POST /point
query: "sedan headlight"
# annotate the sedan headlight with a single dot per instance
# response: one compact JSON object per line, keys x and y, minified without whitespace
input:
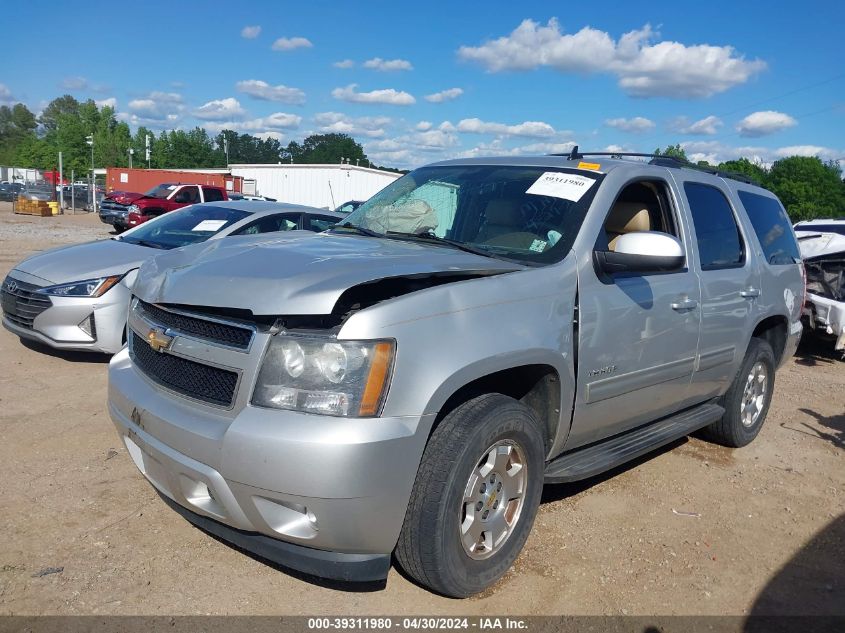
{"x":133,"y":208}
{"x":87,"y":288}
{"x":324,"y":375}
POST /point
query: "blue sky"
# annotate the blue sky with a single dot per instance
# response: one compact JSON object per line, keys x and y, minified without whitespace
{"x":448,"y":79}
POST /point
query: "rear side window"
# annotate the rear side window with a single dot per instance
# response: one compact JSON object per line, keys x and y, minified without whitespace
{"x":772,"y":228}
{"x":212,"y":195}
{"x":320,"y":223}
{"x":719,"y":241}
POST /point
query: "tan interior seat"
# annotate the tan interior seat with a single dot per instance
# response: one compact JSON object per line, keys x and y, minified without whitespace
{"x":626,"y":217}
{"x":501,"y":217}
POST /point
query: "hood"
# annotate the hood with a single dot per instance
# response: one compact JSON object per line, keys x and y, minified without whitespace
{"x":816,"y":244}
{"x":85,"y":261}
{"x":297,"y":273}
{"x":124,"y":197}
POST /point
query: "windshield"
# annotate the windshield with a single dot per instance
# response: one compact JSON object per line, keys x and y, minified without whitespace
{"x":531,"y":214}
{"x":190,"y":225}
{"x":161,"y":191}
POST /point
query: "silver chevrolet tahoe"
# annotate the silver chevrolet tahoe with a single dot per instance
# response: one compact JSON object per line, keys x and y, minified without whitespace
{"x":406,"y":382}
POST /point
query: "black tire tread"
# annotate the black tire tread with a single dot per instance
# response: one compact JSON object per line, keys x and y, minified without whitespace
{"x":726,"y":431}
{"x":415,"y":550}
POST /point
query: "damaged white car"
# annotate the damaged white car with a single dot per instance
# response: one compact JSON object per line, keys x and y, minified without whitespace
{"x":824,"y":260}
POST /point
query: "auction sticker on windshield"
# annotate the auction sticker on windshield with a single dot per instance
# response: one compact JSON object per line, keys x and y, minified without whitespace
{"x":209,"y":225}
{"x":560,"y":185}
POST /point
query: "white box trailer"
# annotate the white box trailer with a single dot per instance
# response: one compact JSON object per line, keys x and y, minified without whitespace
{"x":323,"y":186}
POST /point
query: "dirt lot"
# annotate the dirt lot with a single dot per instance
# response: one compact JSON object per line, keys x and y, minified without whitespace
{"x":694,"y":529}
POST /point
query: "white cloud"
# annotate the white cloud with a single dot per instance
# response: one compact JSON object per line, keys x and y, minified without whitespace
{"x":387,"y":65}
{"x":74,"y":83}
{"x":291,"y":43}
{"x":111,"y":102}
{"x":220,"y":110}
{"x":531,"y":129}
{"x":156,"y":108}
{"x":423,"y":126}
{"x":276,"y":122}
{"x":765,"y":122}
{"x":643,"y":68}
{"x":434,"y":139}
{"x":707,"y":126}
{"x":717,"y":152}
{"x":444,"y":95}
{"x":250,"y":32}
{"x":372,"y":127}
{"x":258,"y":89}
{"x":635,"y":125}
{"x":267,"y":135}
{"x":387,"y":95}
{"x":5,"y":95}
{"x":344,"y":63}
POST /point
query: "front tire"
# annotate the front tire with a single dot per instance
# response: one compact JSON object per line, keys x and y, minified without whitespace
{"x":748,"y":398}
{"x":475,"y":496}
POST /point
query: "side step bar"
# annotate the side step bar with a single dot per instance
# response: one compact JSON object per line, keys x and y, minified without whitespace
{"x":597,"y":458}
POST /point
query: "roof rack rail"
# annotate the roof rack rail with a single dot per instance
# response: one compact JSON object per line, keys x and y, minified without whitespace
{"x":662,"y":160}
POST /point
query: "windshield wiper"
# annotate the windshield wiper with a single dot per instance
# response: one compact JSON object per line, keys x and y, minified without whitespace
{"x":431,"y":237}
{"x":360,"y":230}
{"x":146,"y":243}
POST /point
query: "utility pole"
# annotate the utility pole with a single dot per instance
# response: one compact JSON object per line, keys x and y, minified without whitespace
{"x":90,"y":140}
{"x":147,"y":151}
{"x":73,"y":192}
{"x":226,"y":149}
{"x":61,"y":187}
{"x":131,"y":152}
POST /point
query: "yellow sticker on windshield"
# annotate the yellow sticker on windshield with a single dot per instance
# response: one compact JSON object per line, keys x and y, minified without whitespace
{"x":593,"y":166}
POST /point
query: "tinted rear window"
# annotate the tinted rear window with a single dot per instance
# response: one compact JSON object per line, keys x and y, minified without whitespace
{"x":772,"y":227}
{"x":719,"y":243}
{"x":212,"y":195}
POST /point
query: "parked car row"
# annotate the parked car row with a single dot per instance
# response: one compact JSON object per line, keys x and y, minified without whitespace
{"x":404,"y":383}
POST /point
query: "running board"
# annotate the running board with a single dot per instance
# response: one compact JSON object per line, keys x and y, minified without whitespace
{"x":597,"y":458}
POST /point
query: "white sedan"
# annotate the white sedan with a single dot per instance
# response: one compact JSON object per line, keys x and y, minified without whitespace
{"x":76,"y":297}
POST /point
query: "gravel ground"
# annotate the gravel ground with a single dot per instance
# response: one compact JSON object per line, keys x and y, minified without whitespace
{"x":692,"y":529}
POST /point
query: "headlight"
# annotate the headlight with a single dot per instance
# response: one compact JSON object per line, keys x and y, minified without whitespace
{"x":88,"y":288}
{"x":133,"y":208}
{"x":324,"y":375}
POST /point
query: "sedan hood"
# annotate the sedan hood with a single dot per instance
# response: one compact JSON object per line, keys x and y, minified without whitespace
{"x":86,"y":261}
{"x":297,"y":273}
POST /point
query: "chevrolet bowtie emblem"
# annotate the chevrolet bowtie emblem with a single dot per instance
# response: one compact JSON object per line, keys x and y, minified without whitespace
{"x":158,"y":340}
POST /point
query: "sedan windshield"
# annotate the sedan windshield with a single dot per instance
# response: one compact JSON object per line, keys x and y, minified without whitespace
{"x":161,"y":191}
{"x":527,"y":213}
{"x":186,"y":226}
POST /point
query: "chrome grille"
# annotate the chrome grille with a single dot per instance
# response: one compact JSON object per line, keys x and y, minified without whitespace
{"x":21,"y":303}
{"x":212,"y":331}
{"x":192,"y":379}
{"x":113,"y":207}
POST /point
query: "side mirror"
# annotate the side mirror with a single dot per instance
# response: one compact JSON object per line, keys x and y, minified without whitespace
{"x":642,"y":252}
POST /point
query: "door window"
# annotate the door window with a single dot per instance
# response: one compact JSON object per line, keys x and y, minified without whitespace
{"x":187,"y":195}
{"x":212,"y":195}
{"x":270,"y":224}
{"x":716,"y":231}
{"x":772,"y":228}
{"x":641,"y":206}
{"x":320,"y":223}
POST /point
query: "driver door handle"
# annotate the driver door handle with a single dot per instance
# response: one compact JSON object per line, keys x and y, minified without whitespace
{"x":684,"y":304}
{"x":750,"y":293}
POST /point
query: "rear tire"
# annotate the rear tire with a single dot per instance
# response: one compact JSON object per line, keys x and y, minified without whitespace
{"x":475,"y":496}
{"x":747,"y":400}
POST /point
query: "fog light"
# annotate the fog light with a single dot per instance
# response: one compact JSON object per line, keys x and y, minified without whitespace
{"x":89,"y":326}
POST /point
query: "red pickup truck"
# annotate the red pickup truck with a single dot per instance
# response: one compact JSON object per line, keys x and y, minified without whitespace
{"x":124,"y":209}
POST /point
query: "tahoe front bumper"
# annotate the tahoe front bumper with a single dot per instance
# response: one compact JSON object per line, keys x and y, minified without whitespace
{"x":322,"y":495}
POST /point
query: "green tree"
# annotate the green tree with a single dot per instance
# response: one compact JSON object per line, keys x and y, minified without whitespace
{"x":808,"y":187}
{"x":16,"y":124}
{"x":672,"y":150}
{"x":325,"y":149}
{"x":745,"y":167}
{"x":64,"y":105}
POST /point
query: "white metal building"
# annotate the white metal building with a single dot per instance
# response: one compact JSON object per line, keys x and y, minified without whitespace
{"x":324,"y":186}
